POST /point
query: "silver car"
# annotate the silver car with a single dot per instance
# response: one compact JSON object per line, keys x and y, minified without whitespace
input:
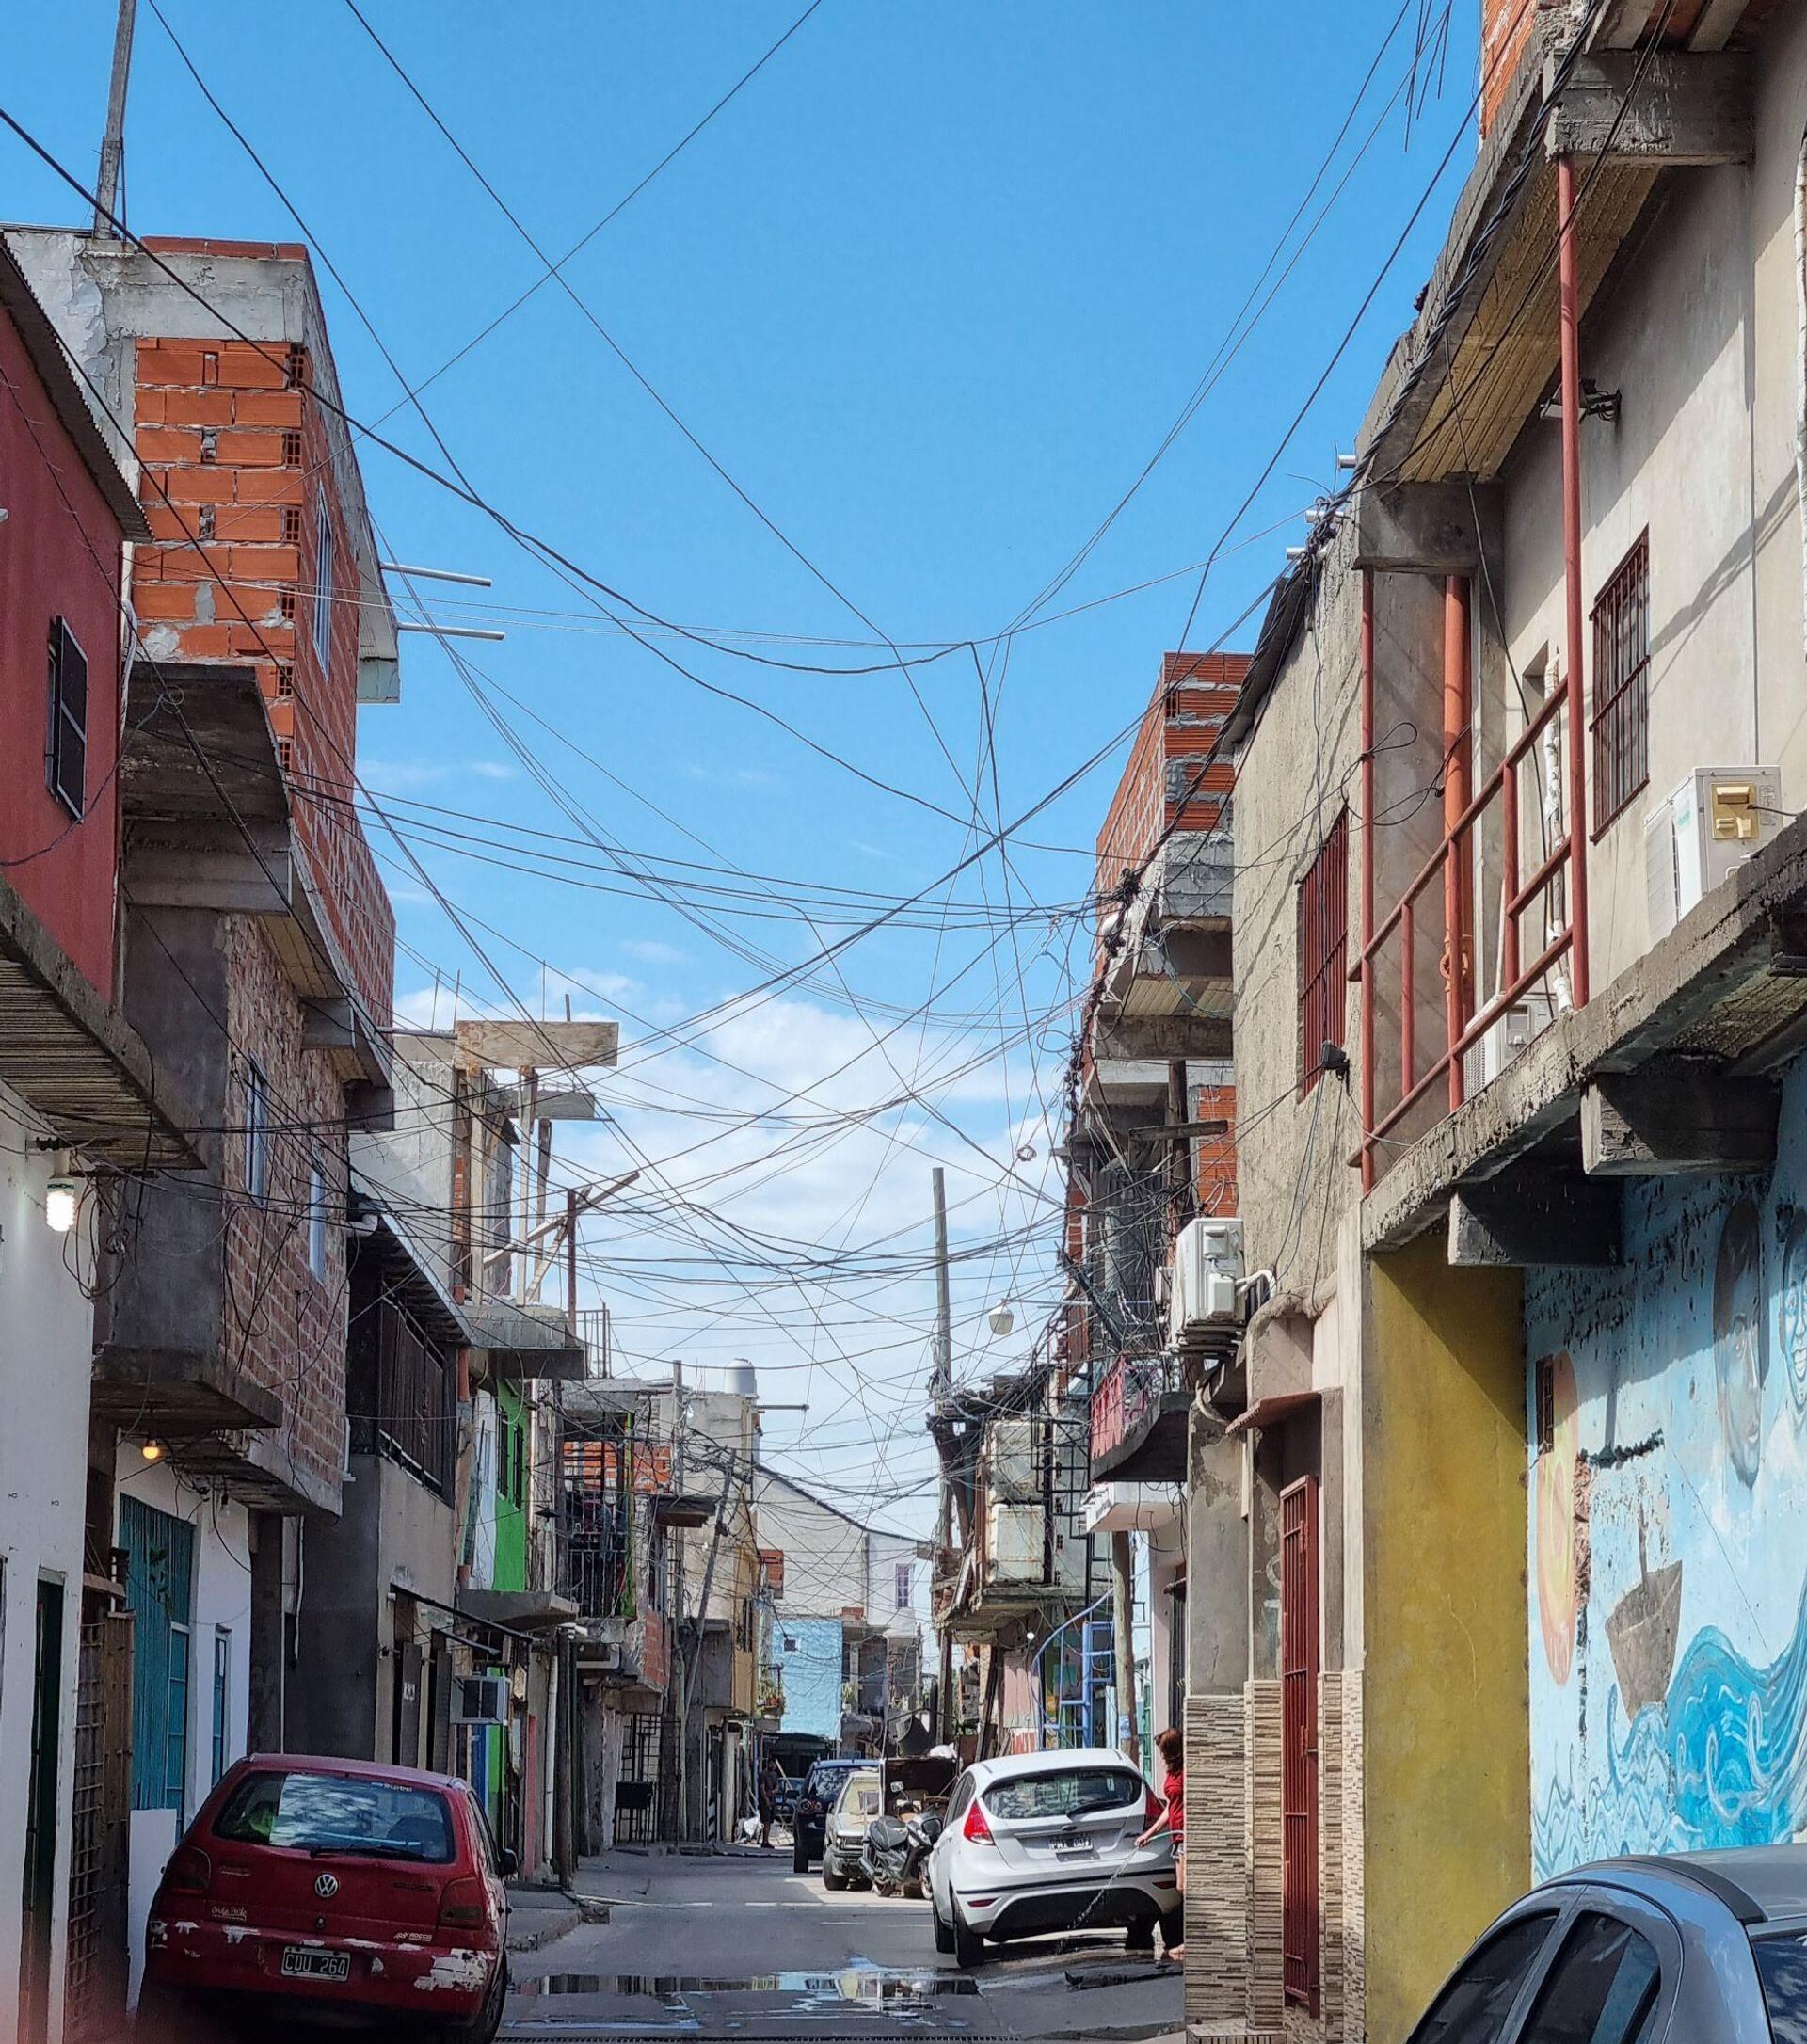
{"x":1691,"y":1948}
{"x":1035,"y":1842}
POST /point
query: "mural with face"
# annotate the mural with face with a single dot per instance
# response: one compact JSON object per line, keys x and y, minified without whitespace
{"x":1740,"y":1350}
{"x":1791,"y":1310}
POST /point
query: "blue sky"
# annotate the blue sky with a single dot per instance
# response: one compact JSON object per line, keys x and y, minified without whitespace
{"x":931,"y":289}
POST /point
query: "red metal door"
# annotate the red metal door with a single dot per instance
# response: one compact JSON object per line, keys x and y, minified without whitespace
{"x":1299,"y":1731}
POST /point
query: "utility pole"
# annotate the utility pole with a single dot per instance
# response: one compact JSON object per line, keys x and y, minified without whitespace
{"x":940,"y":1386}
{"x":106,"y":187}
{"x":1123,"y":1604}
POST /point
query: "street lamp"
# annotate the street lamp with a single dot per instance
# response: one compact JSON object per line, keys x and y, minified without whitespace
{"x":61,"y":1199}
{"x":1003,"y":1317}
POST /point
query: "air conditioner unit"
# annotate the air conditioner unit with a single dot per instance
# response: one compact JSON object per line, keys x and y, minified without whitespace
{"x":480,"y":1700}
{"x":1715,"y":821}
{"x":1208,"y":1269}
{"x":1509,"y":1033}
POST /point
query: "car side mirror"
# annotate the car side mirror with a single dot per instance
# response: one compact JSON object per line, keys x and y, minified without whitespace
{"x":508,"y":1860}
{"x":931,"y":1829}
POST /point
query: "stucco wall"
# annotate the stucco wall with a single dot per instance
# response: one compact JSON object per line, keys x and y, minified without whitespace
{"x":1444,"y":1706}
{"x":43,"y":1380}
{"x":1698,"y":336}
{"x":1298,"y":771}
{"x":808,"y":1650}
{"x":1668,"y":1528}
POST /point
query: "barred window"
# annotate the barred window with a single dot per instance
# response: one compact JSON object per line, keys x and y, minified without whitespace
{"x":66,"y":744}
{"x":1324,"y":953}
{"x":1622,"y":687}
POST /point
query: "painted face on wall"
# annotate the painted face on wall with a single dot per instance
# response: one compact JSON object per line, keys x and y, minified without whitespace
{"x":1740,"y":1352}
{"x":1556,"y":1572}
{"x":1793,"y":1310}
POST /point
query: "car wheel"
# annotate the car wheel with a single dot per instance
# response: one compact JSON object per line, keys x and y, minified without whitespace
{"x":968,"y":1946}
{"x":799,"y":1857}
{"x":832,"y":1877}
{"x":943,"y":1936}
{"x":488,"y":2021}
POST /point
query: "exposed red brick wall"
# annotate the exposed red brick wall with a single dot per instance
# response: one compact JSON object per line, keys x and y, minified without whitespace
{"x":1215,"y":1156}
{"x":60,"y":556}
{"x":1506,"y":30}
{"x":238,"y":460}
{"x":1183,"y":721}
{"x":285,"y":1327}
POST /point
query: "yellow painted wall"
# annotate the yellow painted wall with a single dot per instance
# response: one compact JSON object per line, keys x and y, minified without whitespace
{"x":1445,"y":1709}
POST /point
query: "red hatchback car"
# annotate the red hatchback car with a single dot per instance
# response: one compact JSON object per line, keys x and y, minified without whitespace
{"x":332,"y":1888}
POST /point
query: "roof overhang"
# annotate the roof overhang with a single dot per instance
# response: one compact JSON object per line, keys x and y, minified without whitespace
{"x":521,"y":1344}
{"x":72,"y":1056}
{"x":519,"y":1610}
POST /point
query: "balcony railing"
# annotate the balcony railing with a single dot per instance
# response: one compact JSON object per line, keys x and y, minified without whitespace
{"x":1129,"y":1391}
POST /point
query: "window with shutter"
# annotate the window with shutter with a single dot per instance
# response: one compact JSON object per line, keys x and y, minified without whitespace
{"x":1324,"y":953}
{"x":66,"y":741}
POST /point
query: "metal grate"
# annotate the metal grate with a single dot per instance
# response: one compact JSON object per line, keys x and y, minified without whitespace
{"x":1622,"y":687}
{"x":643,"y":1771}
{"x":1299,"y":1732}
{"x":95,"y":2004}
{"x":1323,"y":953}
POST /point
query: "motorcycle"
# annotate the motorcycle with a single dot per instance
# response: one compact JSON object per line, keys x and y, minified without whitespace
{"x":895,"y":1852}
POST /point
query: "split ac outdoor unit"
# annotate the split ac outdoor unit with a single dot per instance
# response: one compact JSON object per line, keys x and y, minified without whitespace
{"x":480,"y":1700}
{"x":1521,"y":1024}
{"x":1207,"y":1269}
{"x":1715,"y":821}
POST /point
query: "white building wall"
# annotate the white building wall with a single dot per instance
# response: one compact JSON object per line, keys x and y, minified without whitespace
{"x":223,"y":1612}
{"x":46,"y":1355}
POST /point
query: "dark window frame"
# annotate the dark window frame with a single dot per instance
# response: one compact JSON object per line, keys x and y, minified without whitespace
{"x":1321,"y":909}
{"x":66,"y":728}
{"x":257,"y":1131}
{"x":1619,"y":729}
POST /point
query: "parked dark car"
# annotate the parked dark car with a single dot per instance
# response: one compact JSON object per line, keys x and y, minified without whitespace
{"x":820,"y":1787}
{"x":1687,"y":1948}
{"x":329,"y":1890}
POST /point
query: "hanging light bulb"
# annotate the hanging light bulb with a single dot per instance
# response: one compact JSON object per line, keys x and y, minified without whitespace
{"x":152,"y":1451}
{"x":1003,"y":1317}
{"x":61,"y":1199}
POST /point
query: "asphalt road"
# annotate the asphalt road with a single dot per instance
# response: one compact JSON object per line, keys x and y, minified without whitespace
{"x":738,"y":1946}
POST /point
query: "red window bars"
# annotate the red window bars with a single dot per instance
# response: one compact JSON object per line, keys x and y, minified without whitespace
{"x":1462,"y":809}
{"x":1622,"y":687}
{"x":1323,"y":953}
{"x":1299,"y":1735}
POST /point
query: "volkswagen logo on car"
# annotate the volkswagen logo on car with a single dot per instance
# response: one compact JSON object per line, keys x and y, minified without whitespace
{"x":327,"y":1886}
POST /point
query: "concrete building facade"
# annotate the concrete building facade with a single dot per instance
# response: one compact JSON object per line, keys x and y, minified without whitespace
{"x":1506,"y":1393}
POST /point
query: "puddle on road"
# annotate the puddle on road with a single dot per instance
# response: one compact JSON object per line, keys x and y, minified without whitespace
{"x":859,"y":1985}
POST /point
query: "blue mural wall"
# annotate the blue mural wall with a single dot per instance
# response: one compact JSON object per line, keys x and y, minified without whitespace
{"x":808,"y":1651}
{"x":1668,"y":1522}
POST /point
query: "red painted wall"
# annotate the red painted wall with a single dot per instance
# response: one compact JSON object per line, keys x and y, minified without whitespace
{"x":59,"y":557}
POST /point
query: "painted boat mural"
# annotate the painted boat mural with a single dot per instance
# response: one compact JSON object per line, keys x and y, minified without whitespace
{"x":1667,"y":1542}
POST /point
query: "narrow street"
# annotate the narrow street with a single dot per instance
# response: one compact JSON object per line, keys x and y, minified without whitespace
{"x":735,"y":1944}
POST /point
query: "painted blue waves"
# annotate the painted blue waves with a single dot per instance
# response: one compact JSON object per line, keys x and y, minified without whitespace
{"x":1722,"y":1761}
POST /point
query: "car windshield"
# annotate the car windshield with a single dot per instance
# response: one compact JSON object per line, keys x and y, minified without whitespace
{"x":333,"y":1812}
{"x":1065,"y":1791}
{"x":1782,"y":1966}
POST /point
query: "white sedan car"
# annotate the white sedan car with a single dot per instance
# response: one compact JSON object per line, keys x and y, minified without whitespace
{"x":1035,"y":1842}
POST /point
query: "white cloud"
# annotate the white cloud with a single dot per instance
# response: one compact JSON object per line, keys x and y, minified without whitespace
{"x":652,"y":951}
{"x":407,"y":776}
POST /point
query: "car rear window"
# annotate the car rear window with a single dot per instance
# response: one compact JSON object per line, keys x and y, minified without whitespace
{"x":1782,"y":1966}
{"x":1065,"y":1791}
{"x":336,"y":1812}
{"x":860,"y":1798}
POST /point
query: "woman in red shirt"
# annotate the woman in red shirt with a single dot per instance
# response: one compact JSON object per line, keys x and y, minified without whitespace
{"x":1172,"y":1747}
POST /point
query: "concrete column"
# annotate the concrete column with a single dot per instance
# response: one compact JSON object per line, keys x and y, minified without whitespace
{"x":269,"y":1657}
{"x":1218,"y":1987}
